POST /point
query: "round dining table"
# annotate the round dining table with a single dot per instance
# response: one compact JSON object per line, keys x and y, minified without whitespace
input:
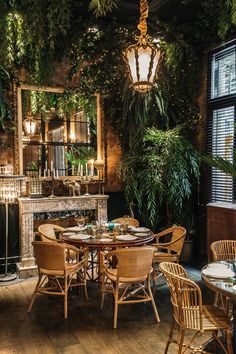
{"x":225,"y":286}
{"x":105,"y":242}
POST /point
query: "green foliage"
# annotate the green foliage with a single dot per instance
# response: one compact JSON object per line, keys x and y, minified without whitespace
{"x":159,"y":172}
{"x":80,"y":155}
{"x":222,"y":164}
{"x":101,"y":7}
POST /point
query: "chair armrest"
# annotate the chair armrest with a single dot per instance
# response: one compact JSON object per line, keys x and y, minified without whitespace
{"x":166,"y":244}
{"x":163,"y":233}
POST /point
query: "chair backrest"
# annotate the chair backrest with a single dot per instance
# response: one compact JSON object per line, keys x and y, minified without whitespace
{"x":178,"y":232}
{"x":127,"y":220}
{"x":223,"y":250}
{"x":50,"y":255}
{"x":47,"y":232}
{"x":174,"y":268}
{"x":134,"y":262}
{"x":186,"y":298}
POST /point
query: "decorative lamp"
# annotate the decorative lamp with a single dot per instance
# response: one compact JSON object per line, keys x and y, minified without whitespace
{"x":142,"y":58}
{"x":30,"y":125}
{"x":11,"y":187}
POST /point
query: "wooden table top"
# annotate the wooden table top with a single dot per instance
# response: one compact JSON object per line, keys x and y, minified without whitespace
{"x":97,"y":244}
{"x":226,"y":286}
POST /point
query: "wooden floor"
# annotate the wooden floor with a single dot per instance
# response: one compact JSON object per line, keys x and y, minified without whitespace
{"x":88,"y":330}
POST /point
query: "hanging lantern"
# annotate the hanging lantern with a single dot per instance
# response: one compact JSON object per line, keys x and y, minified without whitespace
{"x":143,"y":57}
{"x":30,"y":125}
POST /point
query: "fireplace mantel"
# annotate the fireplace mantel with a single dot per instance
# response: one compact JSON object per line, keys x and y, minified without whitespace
{"x":30,"y":206}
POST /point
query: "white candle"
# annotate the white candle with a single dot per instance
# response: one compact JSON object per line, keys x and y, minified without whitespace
{"x":57,"y":174}
{"x":46,"y":165}
{"x":73,"y":170}
{"x":44,"y":173}
{"x":92,"y":168}
{"x":40,"y":172}
{"x":78,"y":171}
{"x":82,"y":171}
{"x":52,"y":165}
{"x":86,"y":169}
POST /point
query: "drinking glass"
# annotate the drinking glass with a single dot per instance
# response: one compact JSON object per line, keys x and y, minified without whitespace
{"x":80,"y":222}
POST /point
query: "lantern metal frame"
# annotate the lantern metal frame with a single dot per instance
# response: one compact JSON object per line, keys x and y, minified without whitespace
{"x":143,"y":43}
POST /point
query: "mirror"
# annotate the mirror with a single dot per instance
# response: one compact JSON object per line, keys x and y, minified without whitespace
{"x":58,"y":133}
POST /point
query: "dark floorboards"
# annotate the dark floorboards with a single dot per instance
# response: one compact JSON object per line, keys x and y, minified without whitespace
{"x":88,"y":330}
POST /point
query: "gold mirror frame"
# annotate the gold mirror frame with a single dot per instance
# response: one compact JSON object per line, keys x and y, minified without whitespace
{"x":18,"y":143}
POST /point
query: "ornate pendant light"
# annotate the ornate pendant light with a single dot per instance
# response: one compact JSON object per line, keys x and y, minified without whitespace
{"x":143,"y":57}
{"x":30,"y":125}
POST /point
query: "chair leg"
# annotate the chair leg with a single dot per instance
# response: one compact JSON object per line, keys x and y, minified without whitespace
{"x":172,"y":330}
{"x":102,"y":290}
{"x":86,"y":291}
{"x":153,"y":302}
{"x":34,"y":294}
{"x":115,"y":305}
{"x":65,"y":297}
{"x":229,"y":340}
{"x":181,"y":341}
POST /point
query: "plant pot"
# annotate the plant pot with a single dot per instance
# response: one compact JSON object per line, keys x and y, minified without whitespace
{"x":187,"y":252}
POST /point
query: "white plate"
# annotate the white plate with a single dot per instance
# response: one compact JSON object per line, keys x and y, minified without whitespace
{"x":69,"y":233}
{"x":126,"y":237}
{"x":105,"y":240}
{"x":80,"y":237}
{"x":141,"y":234}
{"x":217,"y":266}
{"x":76,"y":228}
{"x":219,"y":274}
{"x":140,"y":229}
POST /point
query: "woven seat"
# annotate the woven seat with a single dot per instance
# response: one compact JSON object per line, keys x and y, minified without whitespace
{"x":127,"y":220}
{"x":190,"y":313}
{"x":129,"y":281}
{"x":56,"y":275}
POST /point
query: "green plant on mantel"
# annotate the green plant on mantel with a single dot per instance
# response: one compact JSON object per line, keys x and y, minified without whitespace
{"x":160,"y":173}
{"x":80,"y":155}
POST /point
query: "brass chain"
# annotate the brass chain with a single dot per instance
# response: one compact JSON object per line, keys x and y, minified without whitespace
{"x":142,"y":26}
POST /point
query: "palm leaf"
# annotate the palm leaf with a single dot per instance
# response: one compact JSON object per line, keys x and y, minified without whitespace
{"x":221,"y":164}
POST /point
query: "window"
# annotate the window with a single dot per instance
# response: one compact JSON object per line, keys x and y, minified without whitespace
{"x":221,"y":106}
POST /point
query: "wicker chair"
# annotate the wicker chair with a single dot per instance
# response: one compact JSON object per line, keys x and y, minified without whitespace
{"x":223,"y":250}
{"x":168,"y":251}
{"x":126,"y":281}
{"x":56,"y":275}
{"x":127,"y":220}
{"x":190,"y":313}
{"x":48,"y":232}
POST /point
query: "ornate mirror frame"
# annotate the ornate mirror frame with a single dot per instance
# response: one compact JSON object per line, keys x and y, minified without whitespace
{"x":18,"y":143}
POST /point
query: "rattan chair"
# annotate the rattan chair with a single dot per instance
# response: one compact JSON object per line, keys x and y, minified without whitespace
{"x":127,"y":280}
{"x":127,"y":220}
{"x":48,"y":232}
{"x":56,"y":275}
{"x":167,"y":251}
{"x":191,"y":314}
{"x":223,"y":250}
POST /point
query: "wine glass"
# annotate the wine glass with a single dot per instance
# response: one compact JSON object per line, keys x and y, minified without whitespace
{"x":80,"y":222}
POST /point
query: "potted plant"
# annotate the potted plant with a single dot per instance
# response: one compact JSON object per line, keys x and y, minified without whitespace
{"x":159,"y":174}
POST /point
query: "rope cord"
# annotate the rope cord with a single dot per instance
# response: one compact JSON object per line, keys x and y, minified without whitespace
{"x":142,"y":26}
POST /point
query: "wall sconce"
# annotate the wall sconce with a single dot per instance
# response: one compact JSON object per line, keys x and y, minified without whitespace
{"x":142,"y":58}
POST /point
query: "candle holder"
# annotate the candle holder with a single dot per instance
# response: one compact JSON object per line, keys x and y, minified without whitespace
{"x":53,"y":183}
{"x":11,"y":188}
